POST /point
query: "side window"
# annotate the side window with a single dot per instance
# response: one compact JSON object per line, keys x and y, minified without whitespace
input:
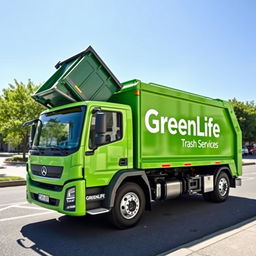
{"x":114,"y":128}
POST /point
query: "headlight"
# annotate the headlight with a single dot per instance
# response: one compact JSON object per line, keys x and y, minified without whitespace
{"x":70,"y":199}
{"x":71,"y":195}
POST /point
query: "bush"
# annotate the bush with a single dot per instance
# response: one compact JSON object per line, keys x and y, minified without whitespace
{"x":9,"y":178}
{"x":15,"y":159}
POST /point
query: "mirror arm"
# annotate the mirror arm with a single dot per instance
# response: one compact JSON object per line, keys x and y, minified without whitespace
{"x":28,"y":123}
{"x":95,"y":110}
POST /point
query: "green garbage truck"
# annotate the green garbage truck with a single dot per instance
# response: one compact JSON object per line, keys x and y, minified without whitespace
{"x":106,"y":147}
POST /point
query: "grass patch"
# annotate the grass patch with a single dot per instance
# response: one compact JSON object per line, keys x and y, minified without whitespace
{"x":15,"y":159}
{"x":10,"y":178}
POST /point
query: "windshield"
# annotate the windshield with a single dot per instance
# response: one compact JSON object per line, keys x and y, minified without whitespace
{"x":59,"y":130}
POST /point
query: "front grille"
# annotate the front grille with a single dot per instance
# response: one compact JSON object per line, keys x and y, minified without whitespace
{"x":48,"y":171}
{"x":52,"y":201}
{"x":46,"y":186}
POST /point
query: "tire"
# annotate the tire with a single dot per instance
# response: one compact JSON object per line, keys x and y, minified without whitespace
{"x":221,"y":189}
{"x":129,"y":206}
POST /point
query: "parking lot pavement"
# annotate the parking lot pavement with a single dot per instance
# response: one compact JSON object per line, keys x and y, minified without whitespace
{"x":9,"y":212}
{"x":14,"y":211}
{"x":13,"y":205}
{"x":243,"y":233}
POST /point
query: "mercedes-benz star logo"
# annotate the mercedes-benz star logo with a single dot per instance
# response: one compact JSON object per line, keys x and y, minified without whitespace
{"x":44,"y":171}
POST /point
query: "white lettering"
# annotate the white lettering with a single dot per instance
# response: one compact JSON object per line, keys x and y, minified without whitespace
{"x":199,"y":133}
{"x":190,"y":124}
{"x":216,"y":130}
{"x":183,"y":127}
{"x":164,"y":120}
{"x":95,"y":197}
{"x":155,"y":124}
{"x":172,"y":126}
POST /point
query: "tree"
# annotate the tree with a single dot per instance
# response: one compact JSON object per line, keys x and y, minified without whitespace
{"x":53,"y":131}
{"x":17,"y":107}
{"x":246,"y":116}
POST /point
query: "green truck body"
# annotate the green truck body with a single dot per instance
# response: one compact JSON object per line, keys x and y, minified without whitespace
{"x":175,"y":127}
{"x":147,"y":142}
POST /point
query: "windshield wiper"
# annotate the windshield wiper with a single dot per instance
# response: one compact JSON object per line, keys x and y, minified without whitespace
{"x":37,"y":148}
{"x":63,"y":150}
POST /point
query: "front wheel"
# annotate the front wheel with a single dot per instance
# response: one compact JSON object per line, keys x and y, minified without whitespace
{"x":221,"y":189}
{"x":129,"y":205}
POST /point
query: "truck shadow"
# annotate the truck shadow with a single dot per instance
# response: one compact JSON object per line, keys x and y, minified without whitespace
{"x":170,"y":224}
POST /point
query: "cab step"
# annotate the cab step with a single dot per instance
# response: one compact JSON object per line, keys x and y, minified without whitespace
{"x":98,"y":211}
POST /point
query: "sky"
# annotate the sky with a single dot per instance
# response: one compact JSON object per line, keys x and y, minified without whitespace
{"x":204,"y":47}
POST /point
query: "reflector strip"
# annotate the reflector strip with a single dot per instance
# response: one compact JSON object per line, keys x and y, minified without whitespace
{"x":78,"y":89}
{"x":217,"y":162}
{"x":166,"y":165}
{"x":187,"y":164}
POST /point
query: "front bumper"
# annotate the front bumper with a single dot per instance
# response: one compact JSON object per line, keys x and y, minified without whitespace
{"x":57,"y":198}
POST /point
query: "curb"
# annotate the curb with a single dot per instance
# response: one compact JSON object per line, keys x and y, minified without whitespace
{"x":12,"y":183}
{"x":15,"y":163}
{"x":251,"y":163}
{"x":196,"y":245}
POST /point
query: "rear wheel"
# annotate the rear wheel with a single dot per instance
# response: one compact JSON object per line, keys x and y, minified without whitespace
{"x":129,"y":205}
{"x":221,"y":189}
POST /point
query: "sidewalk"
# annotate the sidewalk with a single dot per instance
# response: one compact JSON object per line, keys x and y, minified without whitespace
{"x":8,"y":169}
{"x":236,"y":240}
{"x":248,"y":161}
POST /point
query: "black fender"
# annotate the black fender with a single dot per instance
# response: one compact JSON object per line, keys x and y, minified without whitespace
{"x":227,"y":171}
{"x":116,"y":181}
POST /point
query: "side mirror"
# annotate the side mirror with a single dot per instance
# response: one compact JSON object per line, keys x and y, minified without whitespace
{"x":101,"y":139}
{"x":32,"y":135}
{"x":100,"y":123}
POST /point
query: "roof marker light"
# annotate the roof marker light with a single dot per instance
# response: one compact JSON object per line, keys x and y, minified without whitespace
{"x":137,"y":92}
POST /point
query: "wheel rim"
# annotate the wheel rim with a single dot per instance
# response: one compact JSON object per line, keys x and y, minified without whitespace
{"x":223,"y":186}
{"x":129,"y":205}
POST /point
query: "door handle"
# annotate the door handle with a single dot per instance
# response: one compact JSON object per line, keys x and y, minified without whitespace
{"x":123,"y":161}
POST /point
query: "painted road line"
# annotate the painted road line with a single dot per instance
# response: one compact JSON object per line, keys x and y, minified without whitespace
{"x":28,"y":207}
{"x":26,"y":216}
{"x":5,"y":208}
{"x":18,"y":203}
{"x":246,"y":179}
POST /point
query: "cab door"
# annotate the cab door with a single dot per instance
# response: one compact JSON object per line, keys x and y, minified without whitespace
{"x":103,"y":161}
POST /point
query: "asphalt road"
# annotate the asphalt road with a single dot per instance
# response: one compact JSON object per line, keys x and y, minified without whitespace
{"x":26,"y":229}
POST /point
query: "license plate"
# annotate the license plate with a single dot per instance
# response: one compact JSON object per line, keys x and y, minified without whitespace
{"x":43,"y":198}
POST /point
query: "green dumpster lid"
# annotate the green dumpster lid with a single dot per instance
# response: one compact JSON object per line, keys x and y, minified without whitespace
{"x":81,"y":77}
{"x":81,"y":54}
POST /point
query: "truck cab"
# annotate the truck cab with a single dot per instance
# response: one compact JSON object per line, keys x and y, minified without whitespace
{"x":77,"y":149}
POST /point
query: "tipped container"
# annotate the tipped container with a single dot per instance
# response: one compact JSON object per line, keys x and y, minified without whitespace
{"x":82,"y":77}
